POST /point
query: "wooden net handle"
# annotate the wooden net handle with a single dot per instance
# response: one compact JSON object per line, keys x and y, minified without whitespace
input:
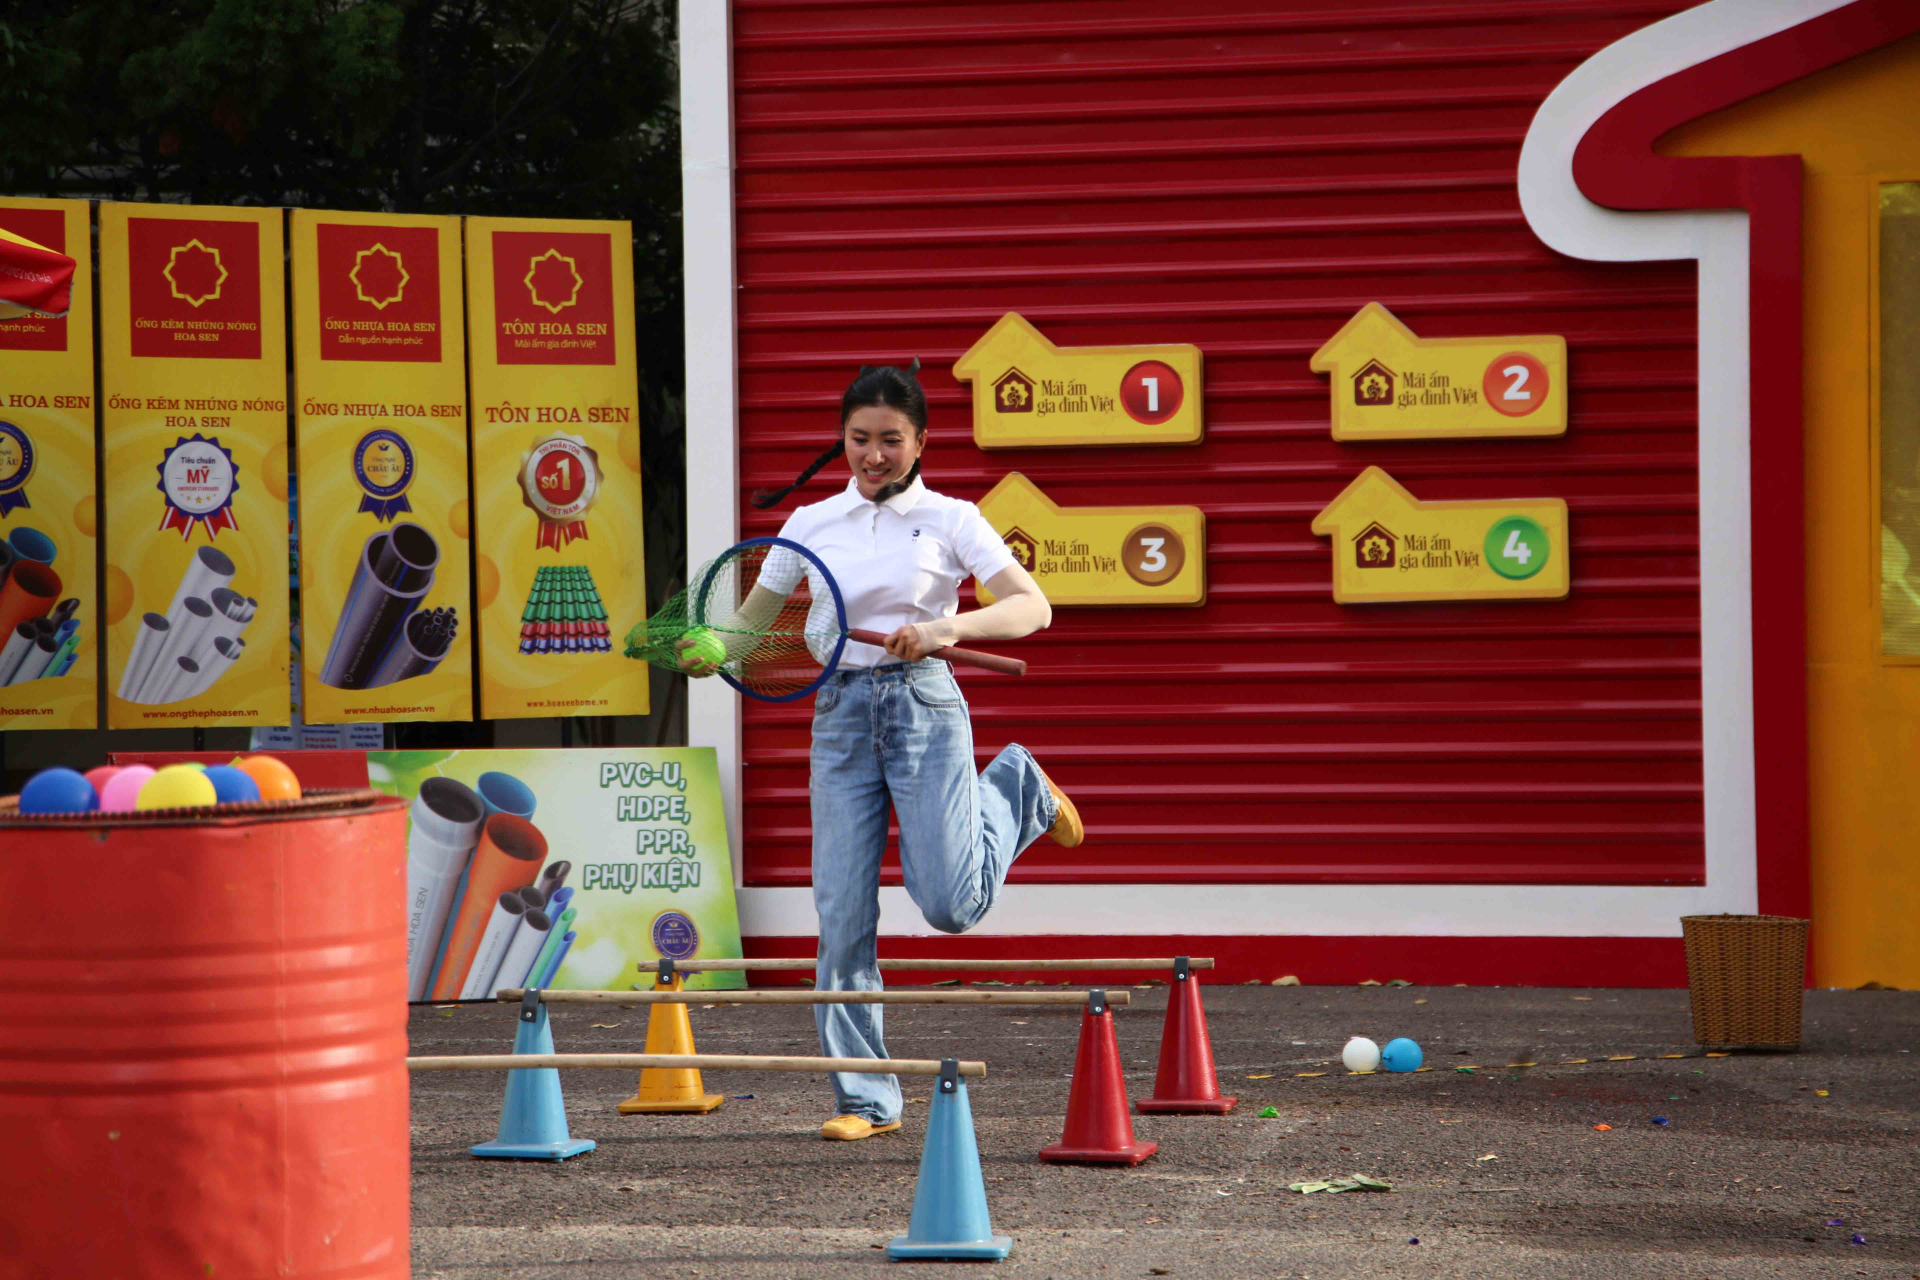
{"x":965,"y":657}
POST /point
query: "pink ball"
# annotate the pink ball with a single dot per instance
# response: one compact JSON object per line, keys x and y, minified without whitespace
{"x":101,"y":776}
{"x":123,"y":789}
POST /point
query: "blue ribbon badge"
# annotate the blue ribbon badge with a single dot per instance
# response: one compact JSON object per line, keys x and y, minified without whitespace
{"x":197,"y":484}
{"x":383,"y":465}
{"x":16,"y":467}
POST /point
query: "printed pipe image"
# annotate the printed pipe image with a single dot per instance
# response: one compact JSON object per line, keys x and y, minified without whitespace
{"x":394,"y":572}
{"x":510,"y":852}
{"x":445,"y":824}
{"x":210,"y":568}
{"x":31,"y":544}
{"x":504,"y":793}
{"x":229,"y":620}
{"x":561,"y":923}
{"x":147,"y":644}
{"x":170,"y":683}
{"x":34,"y":665}
{"x":63,"y":656}
{"x":493,"y":947}
{"x":526,"y":944}
{"x":190,"y":620}
{"x":554,"y":876}
{"x":225,"y":653}
{"x":422,"y":642}
{"x":21,"y":640}
{"x":559,"y":957}
{"x":65,"y":610}
{"x":534,"y":896}
{"x":30,"y":591}
{"x":7,"y":556}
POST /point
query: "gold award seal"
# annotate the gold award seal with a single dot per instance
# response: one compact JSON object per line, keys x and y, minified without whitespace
{"x":559,"y":480}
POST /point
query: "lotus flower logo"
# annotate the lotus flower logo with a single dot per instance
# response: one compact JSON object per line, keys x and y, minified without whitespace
{"x":553,"y":281}
{"x":194,"y":273}
{"x":379,"y":276}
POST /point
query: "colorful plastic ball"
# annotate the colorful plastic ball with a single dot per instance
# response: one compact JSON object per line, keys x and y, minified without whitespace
{"x":122,"y":791}
{"x":1401,"y":1055}
{"x":1361,"y":1054}
{"x":178,"y":786}
{"x":275,"y":780}
{"x":58,"y":791}
{"x":231,"y":785}
{"x":100,"y":775}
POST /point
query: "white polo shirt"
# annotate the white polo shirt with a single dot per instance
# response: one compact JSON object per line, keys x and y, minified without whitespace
{"x":897,"y":562}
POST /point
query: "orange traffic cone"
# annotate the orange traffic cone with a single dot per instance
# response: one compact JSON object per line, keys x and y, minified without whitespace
{"x":1099,"y":1123}
{"x":670,"y":1089}
{"x":1186,"y":1081}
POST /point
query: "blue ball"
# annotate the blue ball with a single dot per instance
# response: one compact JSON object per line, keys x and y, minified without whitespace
{"x":231,"y":785}
{"x":1400,"y":1055}
{"x":58,"y":791}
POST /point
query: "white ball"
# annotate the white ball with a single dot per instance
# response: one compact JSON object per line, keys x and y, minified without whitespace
{"x":1361,"y":1054}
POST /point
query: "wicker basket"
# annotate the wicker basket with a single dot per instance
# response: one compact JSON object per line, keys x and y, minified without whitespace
{"x":1745,"y":975}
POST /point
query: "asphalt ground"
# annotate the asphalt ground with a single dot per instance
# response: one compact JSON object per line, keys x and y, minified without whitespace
{"x":1770,"y":1163}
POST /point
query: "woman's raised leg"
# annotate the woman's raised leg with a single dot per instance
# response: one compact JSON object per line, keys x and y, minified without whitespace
{"x":959,"y":832}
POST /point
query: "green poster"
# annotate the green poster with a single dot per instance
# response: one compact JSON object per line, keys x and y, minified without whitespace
{"x":567,"y":869}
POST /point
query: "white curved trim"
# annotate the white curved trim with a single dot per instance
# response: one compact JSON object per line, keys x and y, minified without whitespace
{"x":1567,"y":221}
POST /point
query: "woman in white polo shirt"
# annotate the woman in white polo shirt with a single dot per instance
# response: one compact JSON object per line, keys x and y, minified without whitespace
{"x":890,"y":725}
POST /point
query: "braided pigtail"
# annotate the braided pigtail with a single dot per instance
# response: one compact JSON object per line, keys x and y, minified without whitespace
{"x":882,"y":385}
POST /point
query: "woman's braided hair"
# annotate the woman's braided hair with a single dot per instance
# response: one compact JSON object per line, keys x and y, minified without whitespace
{"x":882,"y":386}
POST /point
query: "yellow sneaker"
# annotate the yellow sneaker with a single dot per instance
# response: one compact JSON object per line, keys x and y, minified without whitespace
{"x":853,"y":1128}
{"x":1066,"y":829}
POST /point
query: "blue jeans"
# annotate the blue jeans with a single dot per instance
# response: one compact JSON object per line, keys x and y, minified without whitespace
{"x":900,"y":733}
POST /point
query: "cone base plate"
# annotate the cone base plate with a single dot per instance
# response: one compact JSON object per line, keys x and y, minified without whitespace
{"x":687,"y":1106}
{"x":989,"y":1250}
{"x":1186,"y":1106}
{"x":1133,"y":1153}
{"x":533,"y":1150}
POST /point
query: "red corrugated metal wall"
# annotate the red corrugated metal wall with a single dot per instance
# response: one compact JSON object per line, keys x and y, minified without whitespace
{"x":1243,"y":176}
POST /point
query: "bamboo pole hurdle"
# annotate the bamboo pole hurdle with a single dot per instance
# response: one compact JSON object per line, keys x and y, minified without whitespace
{"x":513,"y":995}
{"x":686,"y":1061}
{"x":944,"y":966}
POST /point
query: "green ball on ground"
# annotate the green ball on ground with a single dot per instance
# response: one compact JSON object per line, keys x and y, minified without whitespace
{"x":703,"y":648}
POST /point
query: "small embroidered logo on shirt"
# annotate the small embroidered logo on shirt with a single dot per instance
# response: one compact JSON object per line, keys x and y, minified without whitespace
{"x":916,"y":533}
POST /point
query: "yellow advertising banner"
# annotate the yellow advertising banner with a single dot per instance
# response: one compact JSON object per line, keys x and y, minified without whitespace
{"x":193,"y":371}
{"x":381,"y":427}
{"x":1100,"y":555}
{"x":1389,"y":545}
{"x":1391,"y":384}
{"x":559,"y":556}
{"x":1028,"y":392}
{"x":49,"y":600}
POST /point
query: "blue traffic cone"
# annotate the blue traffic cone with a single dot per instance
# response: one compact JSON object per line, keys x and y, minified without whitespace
{"x":950,"y":1201}
{"x":533,"y":1119}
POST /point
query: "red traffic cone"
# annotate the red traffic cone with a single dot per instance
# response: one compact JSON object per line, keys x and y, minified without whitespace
{"x":1099,"y":1126}
{"x":1185,"y":1082}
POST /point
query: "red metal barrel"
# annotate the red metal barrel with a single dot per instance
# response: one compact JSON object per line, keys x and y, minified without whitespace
{"x":203,"y":1044}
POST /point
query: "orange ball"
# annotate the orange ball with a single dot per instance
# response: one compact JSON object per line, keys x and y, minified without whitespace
{"x":275,"y":780}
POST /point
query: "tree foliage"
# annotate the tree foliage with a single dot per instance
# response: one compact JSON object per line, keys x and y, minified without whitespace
{"x":554,"y":108}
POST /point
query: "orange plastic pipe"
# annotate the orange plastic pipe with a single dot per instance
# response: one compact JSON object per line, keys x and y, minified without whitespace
{"x":30,"y":591}
{"x":510,"y":855}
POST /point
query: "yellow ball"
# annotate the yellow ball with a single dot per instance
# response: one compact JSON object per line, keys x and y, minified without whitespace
{"x":178,"y":786}
{"x":119,"y":593}
{"x":84,"y":518}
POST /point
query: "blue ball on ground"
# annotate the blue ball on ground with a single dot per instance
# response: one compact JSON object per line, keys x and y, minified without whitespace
{"x":1401,"y":1055}
{"x":231,"y":785}
{"x":58,"y":791}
